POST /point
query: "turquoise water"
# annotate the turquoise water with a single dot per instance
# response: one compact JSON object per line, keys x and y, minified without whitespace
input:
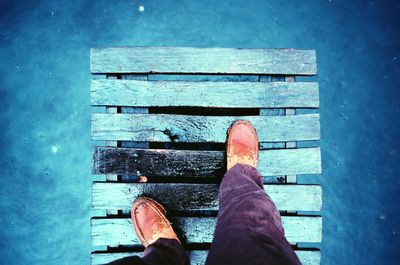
{"x":44,"y":100}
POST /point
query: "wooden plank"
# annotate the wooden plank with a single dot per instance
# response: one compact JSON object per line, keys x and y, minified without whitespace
{"x":204,"y":94}
{"x":186,"y":128}
{"x":119,"y":231}
{"x":194,"y":163}
{"x":202,"y":60}
{"x":198,"y":257}
{"x":198,"y":197}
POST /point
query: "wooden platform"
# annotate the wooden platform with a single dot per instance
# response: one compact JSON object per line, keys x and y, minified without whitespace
{"x":161,"y":114}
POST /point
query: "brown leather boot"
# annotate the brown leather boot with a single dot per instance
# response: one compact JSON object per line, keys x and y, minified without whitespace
{"x":242,"y":144}
{"x":150,"y":222}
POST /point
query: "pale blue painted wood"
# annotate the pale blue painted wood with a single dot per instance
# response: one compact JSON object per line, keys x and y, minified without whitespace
{"x":198,"y":197}
{"x":186,"y":128}
{"x":204,"y":94}
{"x":119,"y":231}
{"x":207,"y":129}
{"x":202,"y":60}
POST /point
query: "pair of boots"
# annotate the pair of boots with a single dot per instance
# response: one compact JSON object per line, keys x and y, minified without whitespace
{"x":249,"y":227}
{"x":149,"y":217}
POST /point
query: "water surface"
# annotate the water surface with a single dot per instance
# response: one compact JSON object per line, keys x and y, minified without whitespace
{"x":44,"y":101}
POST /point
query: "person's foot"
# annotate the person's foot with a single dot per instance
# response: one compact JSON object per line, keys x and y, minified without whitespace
{"x":150,"y":222}
{"x":242,"y":144}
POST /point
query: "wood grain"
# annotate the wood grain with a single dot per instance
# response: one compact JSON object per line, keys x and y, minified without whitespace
{"x":194,"y":163}
{"x":204,"y":94}
{"x":198,"y":197}
{"x":119,"y":231}
{"x":202,"y":60}
{"x":188,"y":128}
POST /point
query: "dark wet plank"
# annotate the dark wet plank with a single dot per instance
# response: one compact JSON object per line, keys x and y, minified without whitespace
{"x":198,"y":197}
{"x":202,"y":60}
{"x":119,"y":231}
{"x":204,"y":94}
{"x":194,"y":163}
{"x":198,"y":257}
{"x":187,"y":128}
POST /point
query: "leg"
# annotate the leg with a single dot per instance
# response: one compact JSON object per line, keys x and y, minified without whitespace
{"x":161,"y":252}
{"x":165,"y":252}
{"x":249,"y":228}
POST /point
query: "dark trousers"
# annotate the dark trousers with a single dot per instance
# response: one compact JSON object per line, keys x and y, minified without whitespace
{"x":249,"y":228}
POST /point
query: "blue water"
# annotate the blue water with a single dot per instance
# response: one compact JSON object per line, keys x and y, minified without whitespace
{"x":44,"y":100}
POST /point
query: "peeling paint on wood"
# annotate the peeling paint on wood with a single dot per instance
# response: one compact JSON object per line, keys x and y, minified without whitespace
{"x":202,"y":60}
{"x":187,"y":128}
{"x":119,"y":231}
{"x":198,"y":197}
{"x":204,"y":94}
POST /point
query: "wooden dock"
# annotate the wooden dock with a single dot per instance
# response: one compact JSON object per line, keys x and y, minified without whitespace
{"x":161,"y":114}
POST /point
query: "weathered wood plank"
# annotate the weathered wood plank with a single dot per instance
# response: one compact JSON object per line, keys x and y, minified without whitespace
{"x":193,"y":163}
{"x":204,"y":94}
{"x":202,"y":60}
{"x":119,"y":231}
{"x":198,"y":197}
{"x":198,"y":257}
{"x":186,"y":128}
